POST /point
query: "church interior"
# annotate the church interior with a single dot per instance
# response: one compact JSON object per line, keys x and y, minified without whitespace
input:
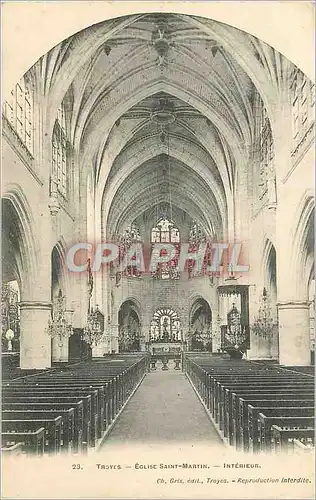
{"x":171,"y":130}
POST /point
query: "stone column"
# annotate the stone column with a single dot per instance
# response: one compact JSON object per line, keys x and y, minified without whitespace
{"x":294,"y":342}
{"x":35,"y":341}
{"x":260,"y":348}
{"x":143,"y":337}
{"x":100,"y":349}
{"x":216,"y":329}
{"x":114,"y":338}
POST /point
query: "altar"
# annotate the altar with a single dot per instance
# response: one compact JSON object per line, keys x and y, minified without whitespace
{"x":166,"y":342}
{"x":165,"y":352}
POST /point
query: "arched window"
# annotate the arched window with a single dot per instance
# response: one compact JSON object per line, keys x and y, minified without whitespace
{"x":303,"y":105}
{"x":165,"y":326}
{"x":267,"y":173}
{"x":60,"y":156}
{"x":18,"y":110}
{"x":166,"y":231}
{"x":125,"y":241}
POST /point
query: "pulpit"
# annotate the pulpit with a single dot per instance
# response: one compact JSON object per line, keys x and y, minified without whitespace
{"x":235,"y":332}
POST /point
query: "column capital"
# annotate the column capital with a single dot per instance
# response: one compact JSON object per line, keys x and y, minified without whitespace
{"x":293,"y":304}
{"x":35,"y":304}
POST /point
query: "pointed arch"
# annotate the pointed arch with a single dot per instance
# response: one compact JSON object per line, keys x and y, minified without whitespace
{"x":303,"y":242}
{"x":16,"y":212}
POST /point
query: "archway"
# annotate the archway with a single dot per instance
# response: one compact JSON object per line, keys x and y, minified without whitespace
{"x":14,"y":246}
{"x":294,"y":315}
{"x":309,"y":264}
{"x":14,"y":280}
{"x":200,"y":326}
{"x":129,"y":327}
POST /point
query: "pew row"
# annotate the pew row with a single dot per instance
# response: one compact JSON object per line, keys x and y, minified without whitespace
{"x":84,"y":400}
{"x":243,"y":399}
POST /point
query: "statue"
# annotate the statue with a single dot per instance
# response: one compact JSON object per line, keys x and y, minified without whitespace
{"x":165,"y":333}
{"x":9,"y":336}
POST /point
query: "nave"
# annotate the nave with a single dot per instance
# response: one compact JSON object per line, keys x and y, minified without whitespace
{"x":164,"y":410}
{"x":123,"y":400}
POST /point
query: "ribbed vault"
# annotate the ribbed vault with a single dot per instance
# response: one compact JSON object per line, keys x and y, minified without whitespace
{"x":150,"y":86}
{"x":157,"y":180}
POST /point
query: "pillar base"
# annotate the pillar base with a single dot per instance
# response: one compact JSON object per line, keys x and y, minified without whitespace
{"x":263,"y":348}
{"x":60,"y":350}
{"x":35,"y":343}
{"x":99,"y":350}
{"x":294,"y":336}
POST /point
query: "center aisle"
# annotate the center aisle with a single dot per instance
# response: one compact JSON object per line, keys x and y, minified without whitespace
{"x":164,"y":408}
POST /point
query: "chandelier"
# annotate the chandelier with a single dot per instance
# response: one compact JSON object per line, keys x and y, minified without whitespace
{"x":264,"y":325}
{"x":59,"y":326}
{"x":93,"y":331}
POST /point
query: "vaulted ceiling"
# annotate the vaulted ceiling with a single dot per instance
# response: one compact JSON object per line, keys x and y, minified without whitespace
{"x":163,"y":107}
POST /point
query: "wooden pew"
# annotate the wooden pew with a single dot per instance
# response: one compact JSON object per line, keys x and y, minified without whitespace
{"x":206,"y":379}
{"x":254,"y":422}
{"x":110,"y":383}
{"x":66,"y":386}
{"x":222,"y":384}
{"x":113,"y":391}
{"x":100,"y":402}
{"x":12,"y":451}
{"x":58,"y":408}
{"x":26,"y":402}
{"x":266,"y":422}
{"x":223,"y":406}
{"x":103,"y":404}
{"x":291,"y":440}
{"x":240,"y":430}
{"x":229,"y":411}
{"x":101,"y":387}
{"x":92,"y":405}
{"x":52,"y":426}
{"x":32,"y":442}
{"x":223,"y":389}
{"x":68,"y":422}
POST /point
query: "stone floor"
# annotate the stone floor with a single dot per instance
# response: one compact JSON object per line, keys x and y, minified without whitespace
{"x":164,"y":409}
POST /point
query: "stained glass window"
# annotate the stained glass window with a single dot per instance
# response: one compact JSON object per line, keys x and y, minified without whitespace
{"x":60,"y":152}
{"x":303,"y":105}
{"x":166,"y":231}
{"x":18,"y":110}
{"x":266,"y":150}
{"x":125,"y":242}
